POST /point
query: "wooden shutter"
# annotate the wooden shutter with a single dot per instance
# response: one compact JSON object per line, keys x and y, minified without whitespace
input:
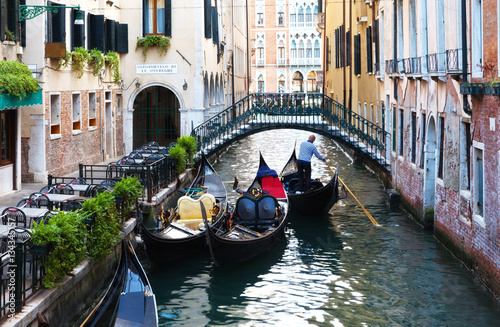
{"x":376,"y":41}
{"x":110,"y":35}
{"x":59,"y":24}
{"x":208,"y":19}
{"x":348,"y":48}
{"x":96,"y":32}
{"x":320,"y":6}
{"x":121,"y":38}
{"x":214,"y":25}
{"x":369,"y":50}
{"x":168,"y":17}
{"x":144,"y":20}
{"x":327,"y":54}
{"x":22,"y":32}
{"x":78,"y":31}
{"x":357,"y":54}
{"x":13,"y":17}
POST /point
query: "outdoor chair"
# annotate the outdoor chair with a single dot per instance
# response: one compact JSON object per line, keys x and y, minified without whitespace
{"x":72,"y":206}
{"x":98,"y":189}
{"x":65,"y":189}
{"x":42,"y":200}
{"x":45,"y":218}
{"x":127,"y":162}
{"x":13,"y":215}
{"x":27,"y":203}
{"x":48,"y":189}
{"x":108,"y":183}
{"x":136,"y":155}
{"x":152,"y":158}
{"x":114,"y":170}
{"x":78,"y":181}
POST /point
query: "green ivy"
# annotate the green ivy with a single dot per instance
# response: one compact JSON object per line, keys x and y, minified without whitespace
{"x":189,"y":144}
{"x":79,"y":58}
{"x":114,"y":64}
{"x":179,"y":154}
{"x":128,"y":189}
{"x":96,"y":60}
{"x":163,"y":43}
{"x":16,"y":79}
{"x":105,"y":231}
{"x":64,"y":235}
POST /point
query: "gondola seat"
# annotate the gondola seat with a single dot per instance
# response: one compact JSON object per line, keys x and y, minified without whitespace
{"x":256,"y":212}
{"x":189,"y":208}
{"x":272,"y":185}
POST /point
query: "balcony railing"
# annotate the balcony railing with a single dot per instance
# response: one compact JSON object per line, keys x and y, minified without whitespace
{"x":260,"y":62}
{"x":454,"y":61}
{"x":391,"y":66}
{"x":416,"y":64}
{"x":281,"y":61}
{"x":407,"y":66}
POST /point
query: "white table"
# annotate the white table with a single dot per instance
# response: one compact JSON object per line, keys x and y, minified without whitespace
{"x":58,"y":198}
{"x":79,"y":187}
{"x":34,"y":212}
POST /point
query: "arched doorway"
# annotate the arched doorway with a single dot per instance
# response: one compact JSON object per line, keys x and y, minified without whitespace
{"x":281,"y":83}
{"x":311,"y":82}
{"x":298,"y":79}
{"x":156,"y":117}
{"x":430,"y":173}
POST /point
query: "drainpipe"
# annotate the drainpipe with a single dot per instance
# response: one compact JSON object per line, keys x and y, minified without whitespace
{"x":350,"y":56}
{"x":395,"y":48}
{"x":344,"y":52}
{"x":465,"y":100}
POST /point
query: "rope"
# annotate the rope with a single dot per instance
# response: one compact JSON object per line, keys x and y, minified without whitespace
{"x":374,"y":222}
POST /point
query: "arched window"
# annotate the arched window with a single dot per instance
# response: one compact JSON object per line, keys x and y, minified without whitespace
{"x":300,"y":18}
{"x":309,"y":20}
{"x":301,"y":49}
{"x":315,"y":13}
{"x":281,"y":53}
{"x":293,"y":16}
{"x":281,"y":16}
{"x":260,"y":53}
{"x":293,"y":50}
{"x":317,"y":51}
{"x":309,"y":49}
{"x":281,"y":83}
{"x":260,"y":84}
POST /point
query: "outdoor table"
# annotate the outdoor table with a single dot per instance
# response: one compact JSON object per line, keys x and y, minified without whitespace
{"x":79,"y":187}
{"x":57,"y":199}
{"x":145,"y":155}
{"x":34,"y":212}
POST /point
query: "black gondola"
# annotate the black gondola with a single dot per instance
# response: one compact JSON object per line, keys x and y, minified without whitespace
{"x":181,"y":235}
{"x":316,"y":202}
{"x":256,"y":223}
{"x":129,"y":299}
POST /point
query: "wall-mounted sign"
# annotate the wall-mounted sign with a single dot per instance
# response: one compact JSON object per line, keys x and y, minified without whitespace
{"x":156,"y":69}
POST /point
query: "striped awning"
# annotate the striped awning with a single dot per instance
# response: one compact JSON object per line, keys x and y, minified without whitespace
{"x":8,"y":101}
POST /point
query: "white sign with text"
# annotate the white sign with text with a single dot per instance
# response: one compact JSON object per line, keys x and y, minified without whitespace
{"x":156,"y":69}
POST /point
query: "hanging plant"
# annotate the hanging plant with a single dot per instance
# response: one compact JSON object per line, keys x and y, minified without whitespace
{"x":96,"y":60}
{"x":16,"y":79}
{"x":114,"y":64}
{"x":162,"y":43}
{"x":79,"y":59}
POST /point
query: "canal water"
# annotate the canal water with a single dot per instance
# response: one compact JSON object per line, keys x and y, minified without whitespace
{"x":337,"y":270}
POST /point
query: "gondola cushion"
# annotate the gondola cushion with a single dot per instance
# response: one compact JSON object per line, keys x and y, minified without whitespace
{"x":273,"y":186}
{"x":189,"y":208}
{"x":245,"y":209}
{"x":256,"y":211}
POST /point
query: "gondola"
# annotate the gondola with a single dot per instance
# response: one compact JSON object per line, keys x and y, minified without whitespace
{"x":181,"y":233}
{"x":256,"y":223}
{"x":129,"y":299}
{"x":314,"y":203}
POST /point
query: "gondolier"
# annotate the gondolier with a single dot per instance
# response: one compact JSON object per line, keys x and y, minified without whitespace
{"x":307,"y":149}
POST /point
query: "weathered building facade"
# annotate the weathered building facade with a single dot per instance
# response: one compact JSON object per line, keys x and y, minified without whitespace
{"x":286,"y":46}
{"x":89,"y":113}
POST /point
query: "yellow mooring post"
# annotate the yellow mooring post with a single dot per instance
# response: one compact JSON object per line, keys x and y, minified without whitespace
{"x":355,"y":198}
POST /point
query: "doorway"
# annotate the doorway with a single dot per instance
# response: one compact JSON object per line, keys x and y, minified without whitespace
{"x":430,"y":173}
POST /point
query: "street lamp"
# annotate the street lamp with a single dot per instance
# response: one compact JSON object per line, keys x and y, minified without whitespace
{"x":31,"y":11}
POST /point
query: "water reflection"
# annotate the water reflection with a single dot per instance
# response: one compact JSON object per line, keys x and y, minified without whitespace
{"x":336,"y":270}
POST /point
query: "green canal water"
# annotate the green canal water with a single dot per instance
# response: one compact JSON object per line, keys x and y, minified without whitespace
{"x":337,"y":270}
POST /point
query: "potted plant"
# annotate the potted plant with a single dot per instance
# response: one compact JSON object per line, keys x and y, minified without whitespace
{"x":79,"y":58}
{"x":189,"y":144}
{"x":96,"y":60}
{"x":114,"y":64}
{"x":179,"y":154}
{"x":162,"y":43}
{"x":9,"y":36}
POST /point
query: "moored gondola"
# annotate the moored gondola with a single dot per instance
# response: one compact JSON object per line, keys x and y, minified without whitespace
{"x":181,"y":233}
{"x":315,"y":202}
{"x":256,"y":223}
{"x":129,"y":299}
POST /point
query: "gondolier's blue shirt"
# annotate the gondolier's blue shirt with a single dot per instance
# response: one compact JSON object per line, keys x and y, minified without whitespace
{"x":307,"y":149}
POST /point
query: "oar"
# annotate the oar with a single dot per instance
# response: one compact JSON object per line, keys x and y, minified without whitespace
{"x":355,"y":198}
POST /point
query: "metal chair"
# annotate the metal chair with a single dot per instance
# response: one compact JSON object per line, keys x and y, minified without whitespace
{"x":78,"y":181}
{"x":65,"y":189}
{"x":108,"y":183}
{"x":48,"y":189}
{"x":152,"y":158}
{"x":136,"y":155}
{"x":89,"y":190}
{"x":13,"y":215}
{"x":72,"y":206}
{"x":114,"y":170}
{"x":98,"y":189}
{"x":27,"y":203}
{"x":45,"y":218}
{"x":42,"y":200}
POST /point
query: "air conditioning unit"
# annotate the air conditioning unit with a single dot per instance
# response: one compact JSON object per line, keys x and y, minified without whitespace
{"x":361,"y":19}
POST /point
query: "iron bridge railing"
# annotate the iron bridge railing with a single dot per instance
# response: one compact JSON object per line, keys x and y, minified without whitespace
{"x":311,"y":111}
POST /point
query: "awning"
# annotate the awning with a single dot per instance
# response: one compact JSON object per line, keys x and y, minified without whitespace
{"x":9,"y":101}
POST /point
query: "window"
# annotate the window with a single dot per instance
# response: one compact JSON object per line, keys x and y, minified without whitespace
{"x":281,"y":54}
{"x":476,"y":45}
{"x":465,"y":146}
{"x":422,"y":140}
{"x":328,"y":54}
{"x":260,"y":54}
{"x":309,"y":16}
{"x":413,"y":137}
{"x":293,"y":17}
{"x":7,"y":136}
{"x":76,"y":110}
{"x":441,"y":148}
{"x":92,"y":109}
{"x":56,"y":23}
{"x":207,"y":15}
{"x":401,"y":132}
{"x":155,"y":21}
{"x":260,"y":84}
{"x":293,"y":50}
{"x":119,"y":101}
{"x":369,"y":50}
{"x":260,"y":18}
{"x":394,"y":139}
{"x":377,"y":45}
{"x":281,"y":18}
{"x":478,"y":180}
{"x":309,"y":50}
{"x":357,"y":54}
{"x":300,"y":17}
{"x":77,"y":31}
{"x":301,"y":50}
{"x":281,"y":84}
{"x":317,"y":51}
{"x":347,"y":52}
{"x":9,"y":19}
{"x":55,"y":114}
